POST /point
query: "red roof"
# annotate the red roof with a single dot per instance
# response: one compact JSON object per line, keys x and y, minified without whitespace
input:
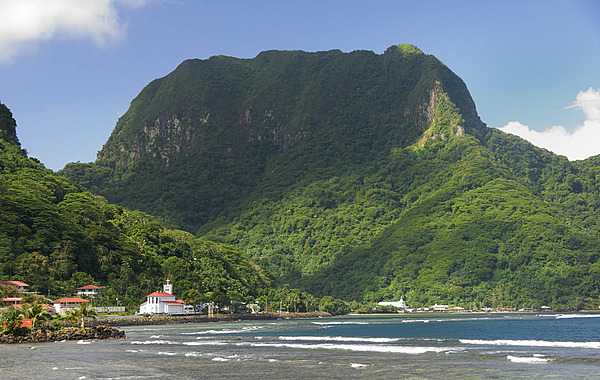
{"x":12,"y":299}
{"x":159,"y":294}
{"x":16,"y":283}
{"x":176,"y":301}
{"x":71,"y":300}
{"x":90,"y":287}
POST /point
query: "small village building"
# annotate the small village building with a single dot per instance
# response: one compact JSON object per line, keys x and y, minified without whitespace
{"x":439,"y":308}
{"x":20,"y":285}
{"x":12,"y":301}
{"x":456,"y":309}
{"x":400,"y":305}
{"x":90,"y":290}
{"x":64,"y":305}
{"x":163,"y":302}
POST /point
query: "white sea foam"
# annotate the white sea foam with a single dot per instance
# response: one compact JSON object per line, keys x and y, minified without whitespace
{"x":153,"y":342}
{"x":193,"y":354}
{"x":155,"y":336}
{"x":224,"y":331}
{"x":531,"y":343}
{"x":219,"y":359}
{"x":272,"y":360}
{"x":338,"y":339}
{"x":416,"y":320}
{"x":204,"y":343}
{"x":83,"y":342}
{"x":166,"y":353}
{"x":535,"y":359}
{"x":353,"y":347}
{"x":358,"y":365}
{"x":569,"y":316}
{"x":340,"y":323}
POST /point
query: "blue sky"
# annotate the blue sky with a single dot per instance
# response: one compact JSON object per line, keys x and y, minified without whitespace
{"x":67,"y":82}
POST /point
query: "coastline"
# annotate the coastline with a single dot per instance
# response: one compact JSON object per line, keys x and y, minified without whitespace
{"x":68,"y":333}
{"x":140,"y":320}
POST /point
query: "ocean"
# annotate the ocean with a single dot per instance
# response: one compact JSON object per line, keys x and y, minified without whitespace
{"x":446,"y":347}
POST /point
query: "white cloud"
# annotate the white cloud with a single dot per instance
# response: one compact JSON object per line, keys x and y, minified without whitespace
{"x":577,"y":144}
{"x":27,"y":22}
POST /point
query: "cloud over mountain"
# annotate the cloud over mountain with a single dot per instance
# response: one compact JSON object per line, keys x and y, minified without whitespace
{"x":28,"y":22}
{"x":577,"y":144}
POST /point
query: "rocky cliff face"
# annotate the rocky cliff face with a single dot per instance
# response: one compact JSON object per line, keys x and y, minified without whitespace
{"x":8,"y":126}
{"x":194,"y":143}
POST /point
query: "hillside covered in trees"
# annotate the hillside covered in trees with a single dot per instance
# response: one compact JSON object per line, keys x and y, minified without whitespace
{"x":362,"y":175}
{"x":57,"y":236}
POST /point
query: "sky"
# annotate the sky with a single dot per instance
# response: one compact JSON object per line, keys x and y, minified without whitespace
{"x":69,"y":68}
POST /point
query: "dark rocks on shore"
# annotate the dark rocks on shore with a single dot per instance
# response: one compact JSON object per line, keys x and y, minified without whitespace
{"x":67,"y":333}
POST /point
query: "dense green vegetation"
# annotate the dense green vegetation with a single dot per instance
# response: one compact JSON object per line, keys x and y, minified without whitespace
{"x":357,"y":175}
{"x":56,"y":237}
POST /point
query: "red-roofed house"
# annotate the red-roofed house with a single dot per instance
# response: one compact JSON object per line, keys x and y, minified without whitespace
{"x":63,"y":305}
{"x":162,"y":302}
{"x":89,"y":290}
{"x":12,"y":301}
{"x":20,"y":285}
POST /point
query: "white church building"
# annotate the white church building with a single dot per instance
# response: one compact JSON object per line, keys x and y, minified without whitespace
{"x":163,"y":302}
{"x":400,"y":305}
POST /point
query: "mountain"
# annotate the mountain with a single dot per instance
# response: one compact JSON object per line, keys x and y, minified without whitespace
{"x":56,"y":236}
{"x":361,"y":175}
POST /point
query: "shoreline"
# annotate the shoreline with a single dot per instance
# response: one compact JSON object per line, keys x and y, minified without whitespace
{"x":139,"y":320}
{"x":99,"y":332}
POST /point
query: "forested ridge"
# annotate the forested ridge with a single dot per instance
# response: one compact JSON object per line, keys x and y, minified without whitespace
{"x":360,"y":175}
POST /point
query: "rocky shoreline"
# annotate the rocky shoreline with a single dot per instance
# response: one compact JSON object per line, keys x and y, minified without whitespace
{"x":141,"y":320}
{"x":64,"y":334}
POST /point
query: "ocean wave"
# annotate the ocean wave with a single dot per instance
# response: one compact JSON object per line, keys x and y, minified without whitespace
{"x":569,"y":316}
{"x":531,"y":343}
{"x":339,"y":323}
{"x":413,"y":350}
{"x":224,"y":331}
{"x":220,"y":359}
{"x":166,"y":353}
{"x":204,"y":343}
{"x":535,"y":359}
{"x":338,"y":339}
{"x":358,"y":365}
{"x":153,"y":342}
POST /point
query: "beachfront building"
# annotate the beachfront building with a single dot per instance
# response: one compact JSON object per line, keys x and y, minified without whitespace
{"x":400,"y":305}
{"x":90,"y":290}
{"x":439,"y":308}
{"x":12,"y":301}
{"x":20,"y":285}
{"x":63,"y":305}
{"x":163,"y":302}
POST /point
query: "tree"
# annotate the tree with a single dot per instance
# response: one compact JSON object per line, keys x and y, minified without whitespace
{"x":36,"y":312}
{"x":79,"y":315}
{"x":10,"y":321}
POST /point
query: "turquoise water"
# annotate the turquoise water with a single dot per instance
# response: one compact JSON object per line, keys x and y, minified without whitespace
{"x":436,"y":347}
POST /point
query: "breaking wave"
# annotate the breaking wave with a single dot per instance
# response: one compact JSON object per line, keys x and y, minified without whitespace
{"x":531,"y":343}
{"x":535,"y":359}
{"x":412,"y":350}
{"x":339,"y":323}
{"x":337,"y":339}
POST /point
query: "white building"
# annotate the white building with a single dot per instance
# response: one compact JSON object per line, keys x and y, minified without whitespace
{"x":401,"y":305}
{"x":89,"y":290}
{"x":163,"y":302}
{"x":437,"y":307}
{"x":64,"y":305}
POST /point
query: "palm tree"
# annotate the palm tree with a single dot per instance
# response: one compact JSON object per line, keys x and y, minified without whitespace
{"x":10,"y":321}
{"x":36,"y":312}
{"x":80,"y":314}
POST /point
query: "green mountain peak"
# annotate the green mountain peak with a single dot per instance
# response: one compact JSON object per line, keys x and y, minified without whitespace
{"x":8,"y":126}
